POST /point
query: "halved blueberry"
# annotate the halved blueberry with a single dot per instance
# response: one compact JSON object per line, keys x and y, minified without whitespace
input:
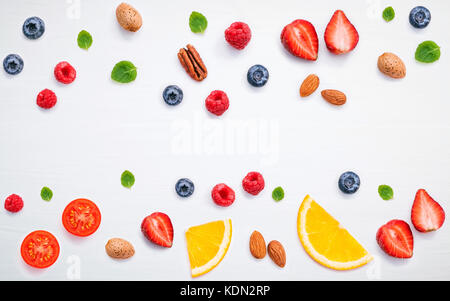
{"x":257,"y":75}
{"x":419,"y":17}
{"x":13,"y":64}
{"x":33,"y":28}
{"x":173,"y":95}
{"x":184,"y":187}
{"x":349,"y":182}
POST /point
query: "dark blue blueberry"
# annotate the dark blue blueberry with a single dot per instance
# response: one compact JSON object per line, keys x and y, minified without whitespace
{"x":33,"y":28}
{"x":419,"y":17}
{"x":349,"y":182}
{"x":173,"y":95}
{"x":257,"y":75}
{"x":13,"y":64}
{"x":184,"y":187}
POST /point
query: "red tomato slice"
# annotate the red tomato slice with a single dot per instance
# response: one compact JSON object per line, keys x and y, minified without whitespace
{"x":81,"y":217}
{"x":40,"y":249}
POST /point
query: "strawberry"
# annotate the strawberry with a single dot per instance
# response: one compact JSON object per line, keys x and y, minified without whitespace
{"x":300,"y":39}
{"x":157,"y":227}
{"x":426,"y":214}
{"x":340,"y":35}
{"x":396,"y":239}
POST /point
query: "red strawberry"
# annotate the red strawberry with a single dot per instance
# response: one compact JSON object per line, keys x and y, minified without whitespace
{"x":340,"y":35}
{"x":396,"y":239}
{"x":426,"y":214}
{"x":157,"y":227}
{"x":300,"y":39}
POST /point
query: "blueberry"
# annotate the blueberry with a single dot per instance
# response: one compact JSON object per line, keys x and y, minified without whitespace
{"x":184,"y":187}
{"x":13,"y":64}
{"x":257,"y":75}
{"x":349,"y":182}
{"x":33,"y":28}
{"x":173,"y":95}
{"x":419,"y":17}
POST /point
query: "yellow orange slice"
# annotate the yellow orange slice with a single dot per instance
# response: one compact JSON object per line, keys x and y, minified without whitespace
{"x":207,"y":244}
{"x":326,"y":241}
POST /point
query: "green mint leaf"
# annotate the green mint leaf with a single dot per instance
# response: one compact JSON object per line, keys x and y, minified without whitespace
{"x":385,"y":192}
{"x":388,"y":14}
{"x":84,"y":39}
{"x":124,"y":72}
{"x":428,"y":52}
{"x":197,"y":22}
{"x":127,"y":179}
{"x":46,"y":194}
{"x":278,"y":194}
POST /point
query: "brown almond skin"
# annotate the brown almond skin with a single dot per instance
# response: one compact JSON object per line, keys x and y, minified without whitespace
{"x":334,"y":97}
{"x":119,"y":248}
{"x":277,"y":253}
{"x":309,"y":85}
{"x":391,"y":65}
{"x":257,"y":245}
{"x":128,"y":17}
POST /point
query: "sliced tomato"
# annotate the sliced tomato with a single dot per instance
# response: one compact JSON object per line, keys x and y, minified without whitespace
{"x":81,"y":217}
{"x":40,"y":249}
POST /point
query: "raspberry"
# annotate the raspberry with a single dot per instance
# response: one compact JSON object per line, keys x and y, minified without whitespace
{"x":65,"y":73}
{"x":238,"y":35}
{"x":222,"y":195}
{"x":13,"y":203}
{"x":217,"y":102}
{"x":46,"y":99}
{"x":253,"y":182}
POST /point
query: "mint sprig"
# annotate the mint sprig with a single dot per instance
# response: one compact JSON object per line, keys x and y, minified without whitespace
{"x":46,"y":194}
{"x":124,"y":72}
{"x":428,"y":52}
{"x":127,"y":179}
{"x":84,"y":40}
{"x":385,"y":192}
{"x":197,"y":22}
{"x":388,"y":14}
{"x":278,"y":194}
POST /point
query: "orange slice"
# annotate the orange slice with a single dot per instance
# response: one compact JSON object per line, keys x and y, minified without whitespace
{"x":207,"y":244}
{"x":326,"y":241}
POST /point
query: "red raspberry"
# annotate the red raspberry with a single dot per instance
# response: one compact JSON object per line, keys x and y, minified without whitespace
{"x":217,"y":102}
{"x":222,"y":195}
{"x":46,"y":99}
{"x":65,"y":73}
{"x":238,"y":35}
{"x":13,"y":203}
{"x":253,"y":182}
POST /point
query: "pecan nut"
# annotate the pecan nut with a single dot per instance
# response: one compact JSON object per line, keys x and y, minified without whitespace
{"x":192,"y":63}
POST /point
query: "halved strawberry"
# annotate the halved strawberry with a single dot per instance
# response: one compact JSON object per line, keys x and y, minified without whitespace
{"x":157,"y":227}
{"x":396,"y":239}
{"x":426,"y":214}
{"x":300,"y":39}
{"x":340,"y":35}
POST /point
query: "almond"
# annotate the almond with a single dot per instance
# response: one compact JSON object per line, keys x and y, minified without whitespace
{"x":391,"y":65}
{"x":334,"y":97}
{"x":128,"y":17}
{"x":277,"y":253}
{"x":257,"y":245}
{"x":119,"y":248}
{"x":309,"y":85}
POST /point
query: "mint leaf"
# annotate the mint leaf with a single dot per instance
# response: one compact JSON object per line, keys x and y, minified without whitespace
{"x":388,"y":14}
{"x":124,"y":72}
{"x":127,"y":179}
{"x":428,"y":52}
{"x":46,"y":194}
{"x":385,"y":192}
{"x":84,"y":39}
{"x":197,"y":22}
{"x":278,"y":194}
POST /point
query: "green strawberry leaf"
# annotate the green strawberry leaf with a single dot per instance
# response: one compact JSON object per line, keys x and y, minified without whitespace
{"x":46,"y":194}
{"x":385,"y":192}
{"x":84,"y":39}
{"x":127,"y":179}
{"x":428,"y":52}
{"x":278,"y":194}
{"x":124,"y":72}
{"x":197,"y":22}
{"x":388,"y":14}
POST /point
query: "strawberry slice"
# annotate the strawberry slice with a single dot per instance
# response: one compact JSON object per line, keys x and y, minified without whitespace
{"x":340,"y":35}
{"x":426,"y":214}
{"x":300,"y":39}
{"x":396,"y":239}
{"x":157,"y":227}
